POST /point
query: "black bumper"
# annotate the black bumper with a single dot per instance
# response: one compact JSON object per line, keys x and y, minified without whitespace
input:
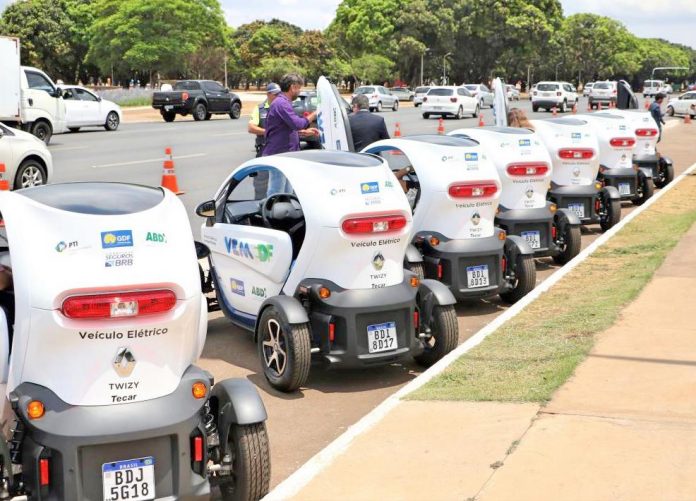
{"x":586,"y":195}
{"x":453,"y":257}
{"x":179,"y":109}
{"x":78,"y":440}
{"x":651,"y":162}
{"x":352,"y":311}
{"x":517,"y":221}
{"x":619,"y":177}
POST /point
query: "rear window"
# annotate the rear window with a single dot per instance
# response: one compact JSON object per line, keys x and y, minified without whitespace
{"x":602,"y":85}
{"x":652,"y":83}
{"x":422,"y":90}
{"x":440,"y":92}
{"x":365,"y":90}
{"x":470,"y":87}
{"x":187,"y":85}
{"x":547,"y":87}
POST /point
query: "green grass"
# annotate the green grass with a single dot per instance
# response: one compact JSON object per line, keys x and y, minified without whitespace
{"x":135,"y":101}
{"x":533,"y":354}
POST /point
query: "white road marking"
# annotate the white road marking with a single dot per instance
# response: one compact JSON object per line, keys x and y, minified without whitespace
{"x":289,"y":487}
{"x":147,"y":161}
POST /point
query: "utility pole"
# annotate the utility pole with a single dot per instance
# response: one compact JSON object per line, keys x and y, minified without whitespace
{"x":444,"y":68}
{"x":225,"y":70}
{"x":427,"y":49}
{"x":557,"y":65}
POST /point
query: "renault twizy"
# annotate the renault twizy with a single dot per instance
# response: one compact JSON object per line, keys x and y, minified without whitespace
{"x":316,"y":272}
{"x":456,"y":199}
{"x":102,"y":396}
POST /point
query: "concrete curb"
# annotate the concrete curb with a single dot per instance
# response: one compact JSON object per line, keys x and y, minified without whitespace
{"x":301,"y":477}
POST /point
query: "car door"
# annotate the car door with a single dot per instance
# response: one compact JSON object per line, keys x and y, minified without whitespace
{"x":40,"y":93}
{"x":251,"y":262}
{"x":91,"y":109}
{"x":488,"y":95}
{"x":467,"y":101}
{"x":690,"y":104}
{"x":387,"y":97}
{"x":217,"y":99}
{"x":73,"y":108}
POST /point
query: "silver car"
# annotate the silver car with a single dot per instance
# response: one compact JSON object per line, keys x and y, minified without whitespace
{"x":379,"y":97}
{"x":403,"y":93}
{"x":420,"y":92}
{"x":482,"y":93}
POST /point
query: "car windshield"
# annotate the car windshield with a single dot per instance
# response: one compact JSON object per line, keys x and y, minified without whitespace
{"x":365,"y":90}
{"x":547,"y":87}
{"x":602,"y":85}
{"x":471,"y":87}
{"x":422,"y":90}
{"x":440,"y":92}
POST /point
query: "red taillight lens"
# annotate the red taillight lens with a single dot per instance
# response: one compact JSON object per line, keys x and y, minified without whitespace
{"x":622,"y":142}
{"x":576,"y":153}
{"x":503,"y":263}
{"x":332,"y":331}
{"x":646,"y":132}
{"x":553,"y":232}
{"x":479,"y":189}
{"x":43,"y":472}
{"x":527,"y":169}
{"x":453,"y":99}
{"x":425,"y":98}
{"x":439,"y":270}
{"x":374,"y":224}
{"x":185,"y":96}
{"x":119,"y":304}
{"x":416,"y":319}
{"x":197,"y":448}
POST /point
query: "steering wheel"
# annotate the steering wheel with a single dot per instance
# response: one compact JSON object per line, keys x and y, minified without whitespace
{"x":272,"y":211}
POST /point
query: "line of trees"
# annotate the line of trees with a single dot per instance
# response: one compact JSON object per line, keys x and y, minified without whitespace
{"x":368,"y":40}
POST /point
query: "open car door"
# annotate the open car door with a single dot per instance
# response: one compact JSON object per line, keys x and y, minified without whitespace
{"x":332,"y":118}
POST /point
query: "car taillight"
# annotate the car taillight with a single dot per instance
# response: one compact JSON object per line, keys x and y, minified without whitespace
{"x":613,"y":91}
{"x":576,"y":153}
{"x":534,"y":93}
{"x":453,"y":99}
{"x":646,"y":132}
{"x":375,"y":96}
{"x":622,"y":142}
{"x":185,"y":96}
{"x":119,"y":304}
{"x":425,"y":98}
{"x":479,"y":189}
{"x":197,"y":448}
{"x":528,"y":169}
{"x":374,"y":224}
{"x":44,"y":478}
{"x":558,"y":94}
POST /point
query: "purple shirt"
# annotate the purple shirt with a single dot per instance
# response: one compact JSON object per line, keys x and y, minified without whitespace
{"x":282,"y":125}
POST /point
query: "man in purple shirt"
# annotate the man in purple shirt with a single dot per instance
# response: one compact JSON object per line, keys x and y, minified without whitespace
{"x":284,"y":128}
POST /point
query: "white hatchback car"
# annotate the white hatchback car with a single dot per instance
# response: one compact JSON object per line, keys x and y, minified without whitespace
{"x":83,"y":108}
{"x":549,"y":95}
{"x":482,"y":93}
{"x":26,"y":158}
{"x":587,"y":88}
{"x":512,"y":93}
{"x":379,"y":96}
{"x":684,"y":104}
{"x":449,"y":100}
{"x":420,"y":93}
{"x":653,"y":87}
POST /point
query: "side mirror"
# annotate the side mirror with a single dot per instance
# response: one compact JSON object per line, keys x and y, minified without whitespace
{"x":206,"y":209}
{"x":226,"y":90}
{"x":99,"y":98}
{"x":58,"y":92}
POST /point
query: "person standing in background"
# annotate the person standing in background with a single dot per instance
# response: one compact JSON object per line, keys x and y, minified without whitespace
{"x":656,"y":112}
{"x":257,"y":126}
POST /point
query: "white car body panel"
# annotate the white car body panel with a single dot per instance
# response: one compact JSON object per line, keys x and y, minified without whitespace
{"x":16,"y":146}
{"x":686,"y":103}
{"x":82,"y":113}
{"x":638,"y":121}
{"x":606,"y":128}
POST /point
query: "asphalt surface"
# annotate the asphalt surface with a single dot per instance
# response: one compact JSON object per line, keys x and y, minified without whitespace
{"x":299,"y":424}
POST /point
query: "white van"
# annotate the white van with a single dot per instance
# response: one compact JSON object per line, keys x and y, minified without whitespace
{"x":653,"y":87}
{"x":28,"y":97}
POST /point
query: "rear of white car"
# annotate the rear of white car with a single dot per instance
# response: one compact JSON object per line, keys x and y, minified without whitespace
{"x":549,"y":95}
{"x":420,"y":93}
{"x":449,"y":100}
{"x":603,"y":94}
{"x":653,"y":87}
{"x":587,"y":88}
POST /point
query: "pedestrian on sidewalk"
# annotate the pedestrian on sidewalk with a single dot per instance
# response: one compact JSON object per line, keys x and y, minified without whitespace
{"x":656,"y":112}
{"x":365,"y":127}
{"x":284,"y":128}
{"x":257,"y":127}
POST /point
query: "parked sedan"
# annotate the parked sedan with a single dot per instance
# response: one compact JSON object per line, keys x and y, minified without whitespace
{"x":26,"y":158}
{"x":420,"y":93}
{"x":403,"y":93}
{"x":379,"y":97}
{"x":449,"y":100}
{"x":512,"y":93}
{"x":587,"y":88}
{"x":83,"y":108}
{"x":686,"y":103}
{"x":482,"y":93}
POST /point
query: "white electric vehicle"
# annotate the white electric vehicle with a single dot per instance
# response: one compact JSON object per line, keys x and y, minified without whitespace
{"x":457,"y":190}
{"x":525,"y":170}
{"x":100,"y":333}
{"x":316,"y":271}
{"x":574,"y":149}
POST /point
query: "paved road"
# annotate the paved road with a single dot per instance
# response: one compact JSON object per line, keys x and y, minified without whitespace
{"x":205,"y":152}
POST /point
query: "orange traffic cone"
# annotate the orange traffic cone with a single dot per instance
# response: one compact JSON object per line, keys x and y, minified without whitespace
{"x":481,"y":123}
{"x":441,"y":126}
{"x":687,"y":120}
{"x":168,"y":174}
{"x":647,"y":104}
{"x":554,"y":111}
{"x":575,"y":108}
{"x":4,"y":183}
{"x":397,"y":130}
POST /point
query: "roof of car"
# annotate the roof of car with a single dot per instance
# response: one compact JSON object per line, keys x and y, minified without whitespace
{"x":341,"y":158}
{"x":443,"y":140}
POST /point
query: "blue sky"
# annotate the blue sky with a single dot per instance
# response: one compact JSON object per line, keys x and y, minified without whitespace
{"x":674,"y":20}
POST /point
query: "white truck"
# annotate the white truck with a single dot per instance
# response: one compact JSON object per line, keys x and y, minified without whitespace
{"x":28,"y":97}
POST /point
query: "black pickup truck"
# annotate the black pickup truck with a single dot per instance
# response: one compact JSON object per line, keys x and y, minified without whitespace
{"x":200,"y":98}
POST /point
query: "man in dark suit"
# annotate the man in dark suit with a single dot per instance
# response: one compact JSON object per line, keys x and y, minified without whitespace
{"x":365,"y":127}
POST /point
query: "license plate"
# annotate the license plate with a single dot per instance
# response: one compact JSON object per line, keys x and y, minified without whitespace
{"x":133,"y":479}
{"x":437,"y":107}
{"x":477,"y":276}
{"x":624,"y":189}
{"x":578,"y":209}
{"x":532,"y":238}
{"x":168,"y":107}
{"x":381,"y":337}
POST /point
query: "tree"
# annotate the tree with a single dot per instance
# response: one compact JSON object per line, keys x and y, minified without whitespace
{"x":273,"y":68}
{"x":373,"y":68}
{"x":365,"y":26}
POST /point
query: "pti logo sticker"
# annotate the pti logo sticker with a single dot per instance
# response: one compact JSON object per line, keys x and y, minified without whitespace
{"x":118,"y":238}
{"x":372,"y":187}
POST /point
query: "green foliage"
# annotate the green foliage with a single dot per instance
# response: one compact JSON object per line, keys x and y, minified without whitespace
{"x":273,"y":68}
{"x":373,"y":68}
{"x":366,"y":25}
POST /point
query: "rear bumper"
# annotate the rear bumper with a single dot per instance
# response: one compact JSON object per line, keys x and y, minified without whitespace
{"x":545,"y":103}
{"x":624,"y":180}
{"x":586,"y":195}
{"x":352,"y":311}
{"x":440,"y":109}
{"x":517,"y":221}
{"x":78,"y":440}
{"x":181,"y":109}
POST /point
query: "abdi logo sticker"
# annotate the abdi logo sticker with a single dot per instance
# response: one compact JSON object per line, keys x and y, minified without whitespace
{"x":118,"y":238}
{"x":372,"y":187}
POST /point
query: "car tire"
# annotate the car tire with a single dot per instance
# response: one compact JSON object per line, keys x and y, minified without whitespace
{"x":74,"y":129}
{"x":460,"y":113}
{"x":573,"y":241}
{"x":199,"y":112}
{"x":236,"y":110}
{"x":416,"y":268}
{"x":613,"y":214}
{"x":525,"y":273}
{"x":168,"y":116}
{"x":379,"y":106}
{"x":43,"y":130}
{"x":647,"y":189}
{"x":30,"y":173}
{"x":564,"y":107}
{"x":248,"y":447}
{"x":670,"y":111}
{"x":112,"y":121}
{"x":665,"y":175}
{"x":535,"y":108}
{"x":426,"y":115}
{"x":477,"y":110}
{"x":444,"y":336}
{"x":396,"y":106}
{"x":208,"y":116}
{"x":292,"y":371}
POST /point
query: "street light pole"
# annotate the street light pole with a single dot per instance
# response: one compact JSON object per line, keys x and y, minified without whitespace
{"x":427,"y":49}
{"x":444,"y":68}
